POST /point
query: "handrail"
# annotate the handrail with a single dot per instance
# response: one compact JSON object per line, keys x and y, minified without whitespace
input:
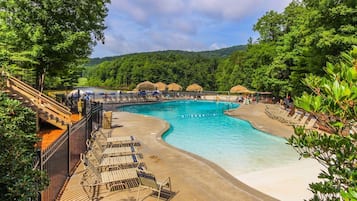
{"x":42,"y":95}
{"x":40,"y":99}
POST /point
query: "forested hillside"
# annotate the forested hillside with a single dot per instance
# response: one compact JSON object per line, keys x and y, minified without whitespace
{"x":292,"y":44}
{"x":224,"y":52}
{"x":168,"y":66}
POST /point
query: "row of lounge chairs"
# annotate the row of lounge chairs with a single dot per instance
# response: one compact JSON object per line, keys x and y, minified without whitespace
{"x":300,"y":118}
{"x":116,"y":163}
{"x":295,"y":118}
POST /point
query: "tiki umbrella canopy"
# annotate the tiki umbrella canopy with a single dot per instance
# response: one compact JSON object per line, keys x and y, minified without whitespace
{"x":160,"y":86}
{"x":174,"y":87}
{"x":147,"y":85}
{"x":239,"y":89}
{"x":194,"y":87}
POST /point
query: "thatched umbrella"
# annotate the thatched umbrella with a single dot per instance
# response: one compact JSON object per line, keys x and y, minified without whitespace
{"x":147,"y":85}
{"x":194,"y":87}
{"x":160,"y":86}
{"x":174,"y":87}
{"x":240,"y":89}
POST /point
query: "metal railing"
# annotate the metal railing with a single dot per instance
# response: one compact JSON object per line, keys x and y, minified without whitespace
{"x":61,"y":158}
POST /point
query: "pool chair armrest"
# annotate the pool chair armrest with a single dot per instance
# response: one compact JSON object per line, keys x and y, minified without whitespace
{"x":166,"y":183}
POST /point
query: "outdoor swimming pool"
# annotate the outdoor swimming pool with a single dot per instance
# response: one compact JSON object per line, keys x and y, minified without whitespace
{"x":200,"y":127}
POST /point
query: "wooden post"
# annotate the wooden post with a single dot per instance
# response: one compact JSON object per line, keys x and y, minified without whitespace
{"x":37,"y":120}
{"x":69,"y":150}
{"x":107,"y":120}
{"x":39,"y":155}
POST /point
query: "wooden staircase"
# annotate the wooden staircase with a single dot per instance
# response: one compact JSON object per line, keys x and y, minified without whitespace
{"x":46,"y":107}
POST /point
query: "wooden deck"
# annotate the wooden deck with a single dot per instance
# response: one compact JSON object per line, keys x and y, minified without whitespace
{"x":50,"y":135}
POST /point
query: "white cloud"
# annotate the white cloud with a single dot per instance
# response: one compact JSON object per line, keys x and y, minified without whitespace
{"x":149,"y":25}
{"x":217,"y":9}
{"x":236,"y":9}
{"x":181,"y":26}
{"x":143,"y":11}
{"x":174,"y":41}
{"x":216,"y":46}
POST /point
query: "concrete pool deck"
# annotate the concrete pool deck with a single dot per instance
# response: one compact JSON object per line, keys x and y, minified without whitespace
{"x":194,"y":178}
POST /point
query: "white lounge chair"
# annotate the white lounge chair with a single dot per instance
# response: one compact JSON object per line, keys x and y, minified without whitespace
{"x":111,"y":151}
{"x":294,"y":118}
{"x":299,"y":122}
{"x":148,"y":181}
{"x":311,"y":123}
{"x":114,"y":162}
{"x":114,"y":141}
{"x":113,"y":180}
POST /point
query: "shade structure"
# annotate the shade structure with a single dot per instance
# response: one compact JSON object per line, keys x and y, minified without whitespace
{"x":174,"y":87}
{"x":160,"y":86}
{"x":240,"y":89}
{"x":194,"y":87}
{"x":147,"y":85}
{"x":74,"y":93}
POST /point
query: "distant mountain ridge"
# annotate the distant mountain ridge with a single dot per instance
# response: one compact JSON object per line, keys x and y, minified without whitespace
{"x":219,"y":53}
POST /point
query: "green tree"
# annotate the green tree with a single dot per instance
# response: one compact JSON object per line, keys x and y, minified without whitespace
{"x":270,"y":26}
{"x":321,"y":31}
{"x":18,"y":179}
{"x":334,"y":102}
{"x":258,"y":58}
{"x":305,"y":36}
{"x":57,"y":35}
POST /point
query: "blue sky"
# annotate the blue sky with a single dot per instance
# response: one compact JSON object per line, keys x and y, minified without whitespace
{"x":192,"y":25}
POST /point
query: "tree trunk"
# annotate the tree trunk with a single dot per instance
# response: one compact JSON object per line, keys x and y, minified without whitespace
{"x":41,"y":79}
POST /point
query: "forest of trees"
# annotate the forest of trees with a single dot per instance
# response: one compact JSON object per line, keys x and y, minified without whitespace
{"x":167,"y":66}
{"x":292,"y":44}
{"x":182,"y":67}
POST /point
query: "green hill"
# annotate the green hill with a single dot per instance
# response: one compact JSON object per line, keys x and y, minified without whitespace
{"x":224,"y":52}
{"x":220,"y":53}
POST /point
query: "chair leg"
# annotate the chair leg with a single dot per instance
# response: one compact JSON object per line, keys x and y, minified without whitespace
{"x":158,"y":194}
{"x":137,"y":195}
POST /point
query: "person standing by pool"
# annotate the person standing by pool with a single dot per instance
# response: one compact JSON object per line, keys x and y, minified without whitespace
{"x":287,"y":102}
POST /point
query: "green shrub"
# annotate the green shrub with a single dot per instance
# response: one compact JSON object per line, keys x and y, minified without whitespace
{"x":18,"y":179}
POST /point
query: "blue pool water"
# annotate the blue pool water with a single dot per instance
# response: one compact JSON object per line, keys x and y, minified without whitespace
{"x":202,"y":128}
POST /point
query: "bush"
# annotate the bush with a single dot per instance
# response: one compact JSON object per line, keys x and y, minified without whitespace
{"x":18,"y":179}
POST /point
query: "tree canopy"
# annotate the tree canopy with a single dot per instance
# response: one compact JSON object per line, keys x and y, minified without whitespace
{"x":168,"y":66}
{"x":53,"y":37}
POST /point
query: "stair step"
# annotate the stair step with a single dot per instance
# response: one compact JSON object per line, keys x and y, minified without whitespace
{"x":28,"y":100}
